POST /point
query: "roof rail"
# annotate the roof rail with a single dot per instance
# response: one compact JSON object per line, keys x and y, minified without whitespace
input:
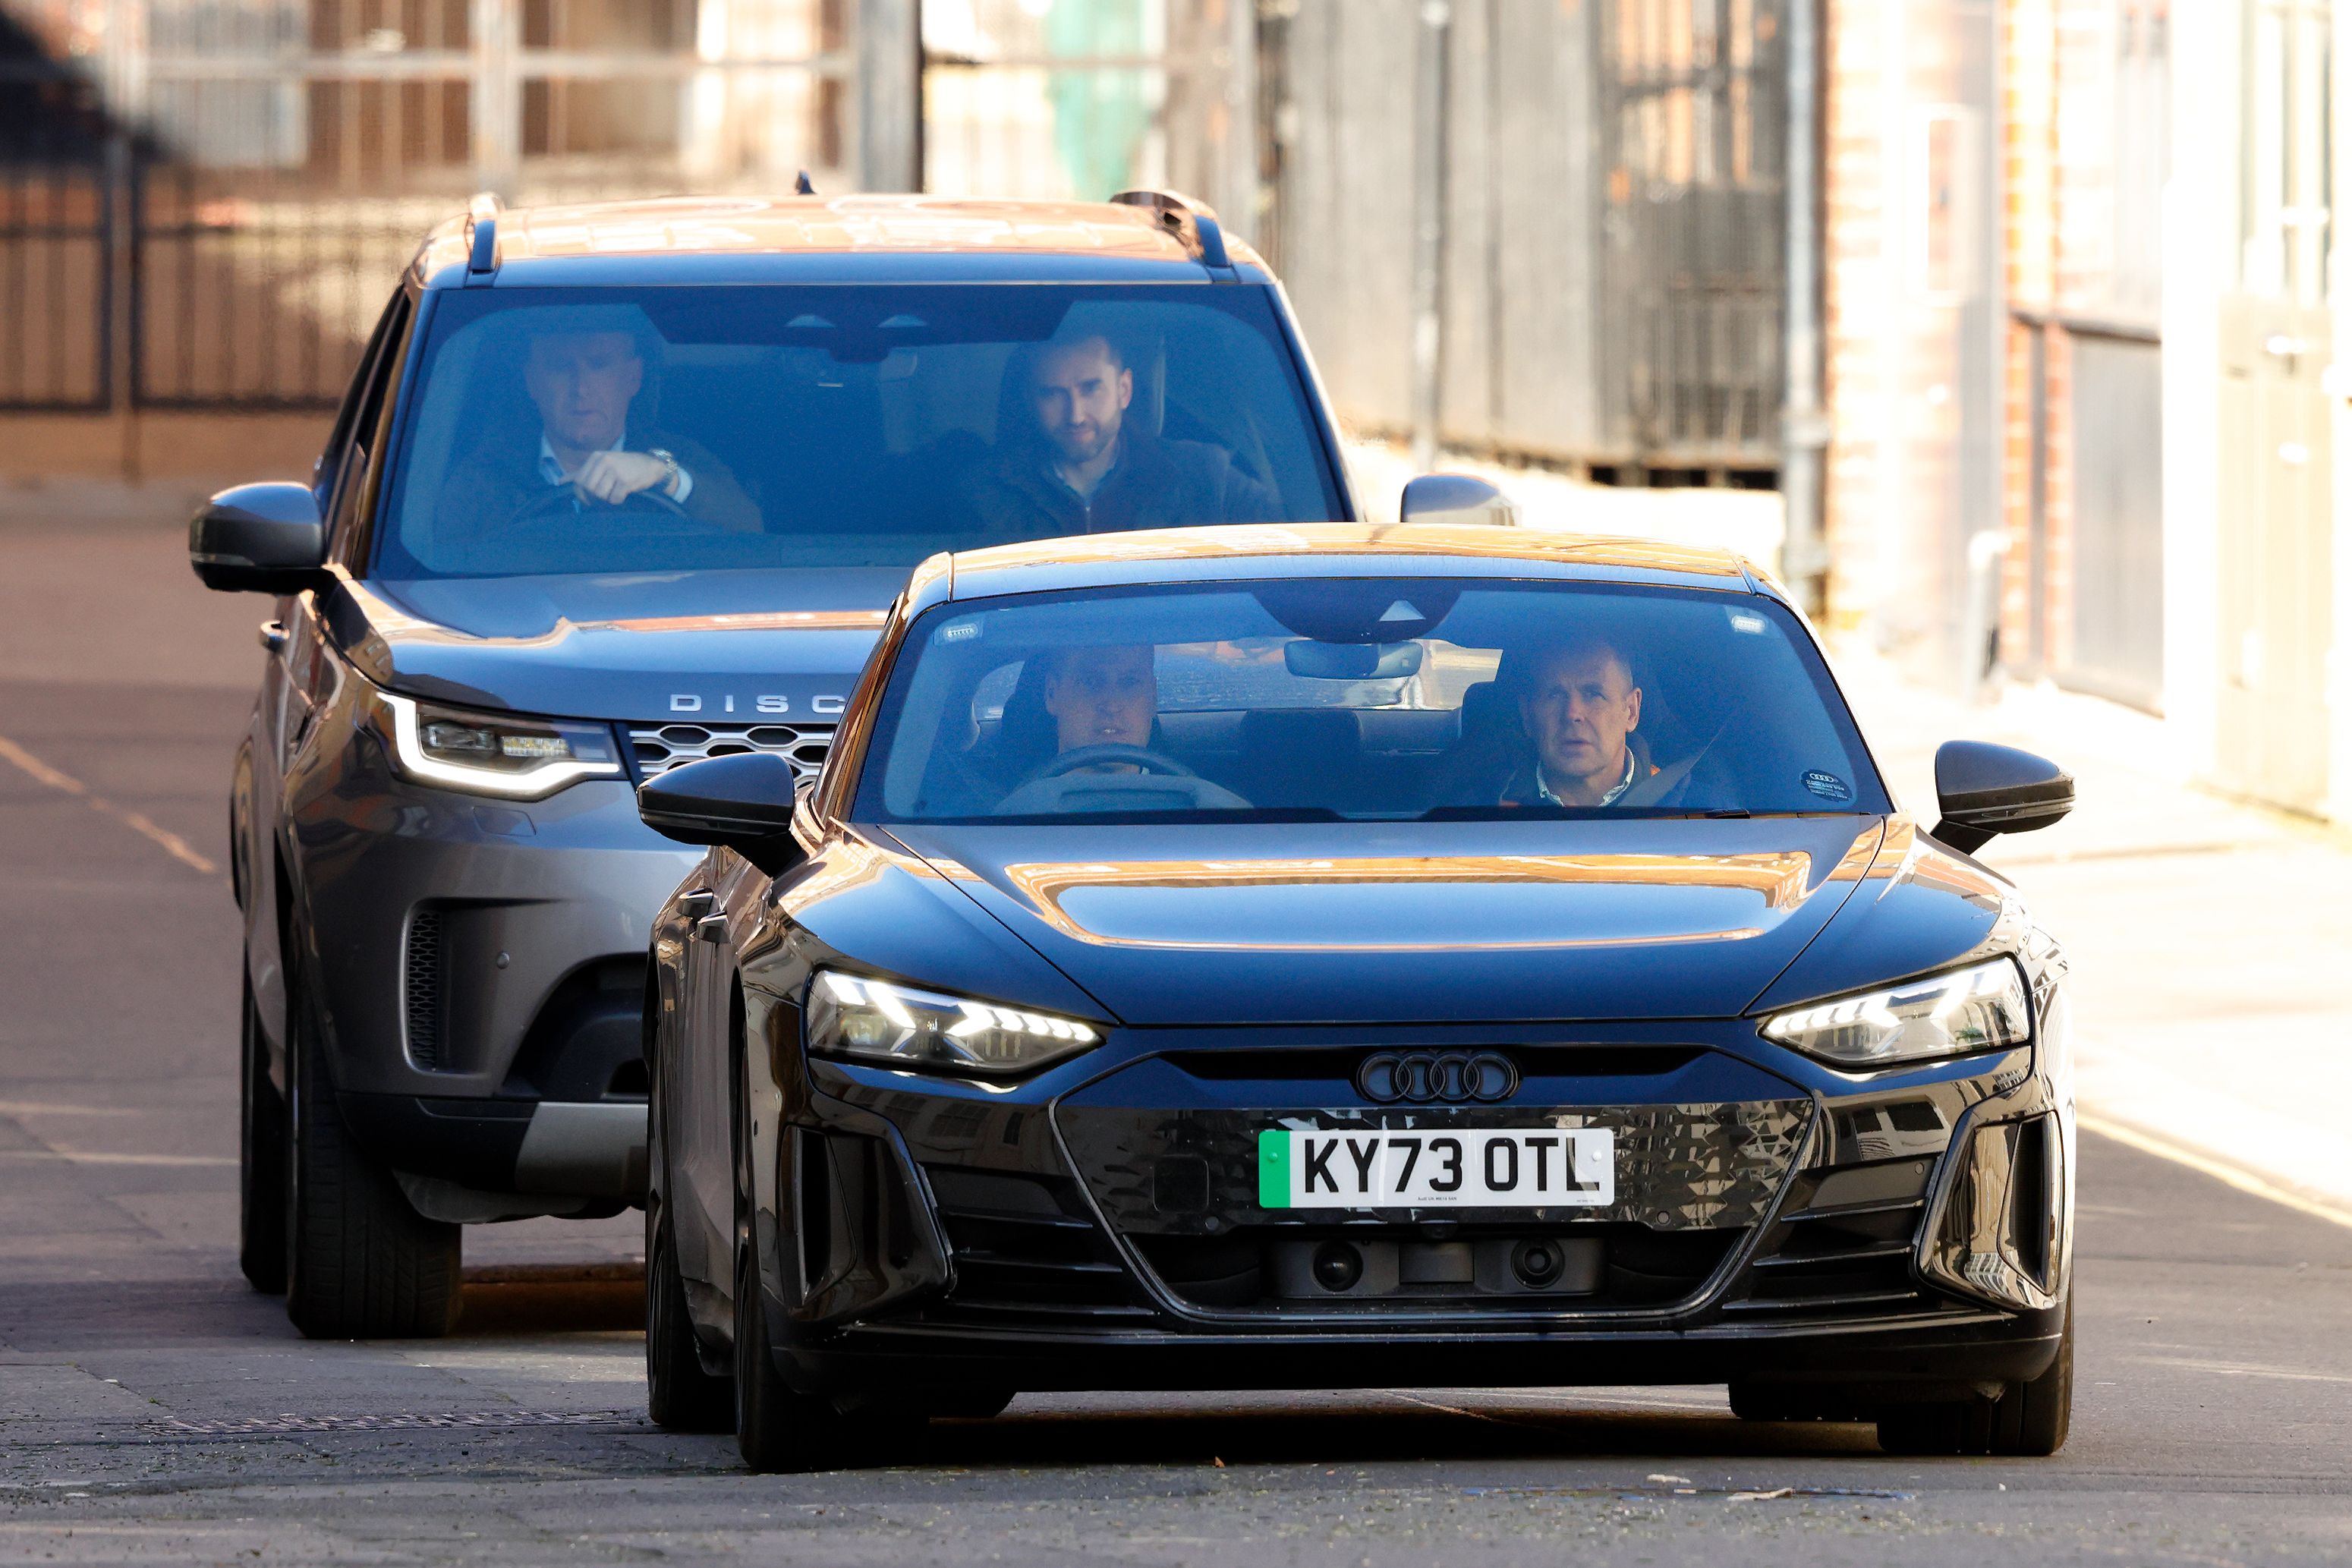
{"x":1193,"y":221}
{"x":482,"y":235}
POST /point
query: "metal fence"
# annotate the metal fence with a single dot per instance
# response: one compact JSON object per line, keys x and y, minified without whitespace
{"x":220,"y":234}
{"x":58,"y":215}
{"x":1612,"y":264}
{"x":247,"y":176}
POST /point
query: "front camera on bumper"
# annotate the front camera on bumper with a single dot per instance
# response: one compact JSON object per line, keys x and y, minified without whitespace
{"x":874,"y":1020}
{"x":1981,"y":1009}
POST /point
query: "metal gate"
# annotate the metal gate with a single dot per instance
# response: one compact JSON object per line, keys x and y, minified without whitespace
{"x":1612,"y":187}
{"x":59,"y":199}
{"x":1694,"y":138}
{"x":222,"y":234}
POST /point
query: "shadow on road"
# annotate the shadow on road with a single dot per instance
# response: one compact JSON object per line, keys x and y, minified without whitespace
{"x":500,"y":1302}
{"x":1375,"y":1433}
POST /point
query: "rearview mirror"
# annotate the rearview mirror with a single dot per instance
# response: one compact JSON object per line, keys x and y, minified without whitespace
{"x":743,"y":803}
{"x":1351,"y":660}
{"x":1982,"y":789}
{"x":258,"y":538}
{"x":1456,"y":498}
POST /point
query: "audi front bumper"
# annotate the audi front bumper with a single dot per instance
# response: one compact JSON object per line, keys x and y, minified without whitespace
{"x":1101,"y":1225}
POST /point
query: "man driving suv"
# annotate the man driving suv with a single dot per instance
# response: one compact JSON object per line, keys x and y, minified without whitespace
{"x":583,"y":377}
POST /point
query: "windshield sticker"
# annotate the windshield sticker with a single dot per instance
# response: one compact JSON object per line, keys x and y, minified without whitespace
{"x":960,"y":631}
{"x":1829,"y":786}
{"x":1748,"y":621}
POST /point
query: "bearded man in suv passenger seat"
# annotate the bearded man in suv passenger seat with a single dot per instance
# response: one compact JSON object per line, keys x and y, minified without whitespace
{"x":1090,"y":469}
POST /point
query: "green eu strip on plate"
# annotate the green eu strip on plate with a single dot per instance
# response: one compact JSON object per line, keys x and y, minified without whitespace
{"x":1274,"y":1168}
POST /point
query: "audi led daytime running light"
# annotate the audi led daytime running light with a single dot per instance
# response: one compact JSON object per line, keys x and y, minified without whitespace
{"x":873,"y":1020}
{"x":505,"y":755}
{"x":1981,"y":1009}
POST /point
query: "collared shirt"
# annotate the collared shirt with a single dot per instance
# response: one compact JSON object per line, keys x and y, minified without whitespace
{"x":551,"y":470}
{"x":1544,"y":789}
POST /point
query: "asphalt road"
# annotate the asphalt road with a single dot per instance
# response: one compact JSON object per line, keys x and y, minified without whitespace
{"x":154,"y":1409}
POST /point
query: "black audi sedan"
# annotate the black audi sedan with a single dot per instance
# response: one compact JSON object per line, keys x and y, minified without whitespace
{"x":1330,"y":955}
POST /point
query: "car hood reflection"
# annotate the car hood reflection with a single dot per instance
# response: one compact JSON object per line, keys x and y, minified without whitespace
{"x":648,"y":646}
{"x":1412,"y":922}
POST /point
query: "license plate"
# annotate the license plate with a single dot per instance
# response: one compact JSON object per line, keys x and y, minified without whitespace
{"x":1382,"y":1168}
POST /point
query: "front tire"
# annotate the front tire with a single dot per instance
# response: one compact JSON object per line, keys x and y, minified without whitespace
{"x":2029,"y":1419}
{"x":679,"y":1394}
{"x":361,"y":1264}
{"x":260,"y":1161}
{"x":777,"y":1429}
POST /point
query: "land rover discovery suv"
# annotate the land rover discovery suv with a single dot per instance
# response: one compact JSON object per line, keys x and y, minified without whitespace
{"x":616,"y":487}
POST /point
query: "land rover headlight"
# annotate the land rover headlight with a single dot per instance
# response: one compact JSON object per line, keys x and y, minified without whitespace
{"x":508,"y":754}
{"x":898,"y":1026}
{"x":1958,"y":1013}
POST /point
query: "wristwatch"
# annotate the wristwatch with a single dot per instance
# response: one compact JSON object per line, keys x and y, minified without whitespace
{"x":669,"y":468}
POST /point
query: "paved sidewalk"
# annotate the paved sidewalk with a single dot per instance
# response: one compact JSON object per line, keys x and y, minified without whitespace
{"x":2210,"y":938}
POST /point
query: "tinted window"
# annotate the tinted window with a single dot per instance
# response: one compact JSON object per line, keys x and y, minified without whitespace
{"x":839,"y":425}
{"x":1375,"y":699}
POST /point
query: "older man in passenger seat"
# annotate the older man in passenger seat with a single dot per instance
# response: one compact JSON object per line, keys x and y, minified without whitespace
{"x":1578,"y":713}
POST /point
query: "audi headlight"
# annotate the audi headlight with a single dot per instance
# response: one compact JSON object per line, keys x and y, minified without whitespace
{"x":873,"y":1020}
{"x":506,"y":754}
{"x":1980,"y":1008}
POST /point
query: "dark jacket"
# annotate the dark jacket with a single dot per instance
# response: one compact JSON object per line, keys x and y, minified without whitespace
{"x":496,"y":486}
{"x":1155,"y":483}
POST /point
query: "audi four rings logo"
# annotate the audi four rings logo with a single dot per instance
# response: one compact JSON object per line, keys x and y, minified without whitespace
{"x":1452,"y":1077}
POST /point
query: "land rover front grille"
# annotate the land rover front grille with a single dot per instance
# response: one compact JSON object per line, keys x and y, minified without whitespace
{"x":660,"y":747}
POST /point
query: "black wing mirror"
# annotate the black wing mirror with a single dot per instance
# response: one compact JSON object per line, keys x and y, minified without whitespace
{"x":744,"y":803}
{"x":1983,"y":789}
{"x":258,"y":538}
{"x":1456,"y":498}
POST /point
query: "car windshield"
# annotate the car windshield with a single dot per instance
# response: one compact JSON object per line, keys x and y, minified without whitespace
{"x":1376,"y":698}
{"x":614,"y":430}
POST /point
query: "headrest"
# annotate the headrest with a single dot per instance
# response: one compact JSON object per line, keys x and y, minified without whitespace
{"x":1300,"y":730}
{"x":1488,"y":706}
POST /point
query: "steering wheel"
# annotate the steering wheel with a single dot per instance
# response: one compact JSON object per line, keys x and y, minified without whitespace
{"x":1142,"y":758}
{"x":1062,"y":783}
{"x":559,"y":498}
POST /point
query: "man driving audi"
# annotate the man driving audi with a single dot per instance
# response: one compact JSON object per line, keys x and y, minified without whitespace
{"x":583,"y":377}
{"x":1103,"y":697}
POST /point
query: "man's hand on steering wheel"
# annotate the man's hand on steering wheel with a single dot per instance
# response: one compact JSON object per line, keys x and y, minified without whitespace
{"x":612,"y":476}
{"x":566,"y":498}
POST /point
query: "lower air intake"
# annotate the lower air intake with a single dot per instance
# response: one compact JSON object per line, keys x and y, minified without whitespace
{"x":424,"y":984}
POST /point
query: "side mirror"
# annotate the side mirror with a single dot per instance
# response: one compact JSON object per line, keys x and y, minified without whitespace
{"x":1983,"y":789}
{"x":258,"y":538}
{"x":1456,"y":498}
{"x":744,"y":803}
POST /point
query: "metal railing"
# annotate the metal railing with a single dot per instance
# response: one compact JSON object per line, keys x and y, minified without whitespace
{"x":253,"y":174}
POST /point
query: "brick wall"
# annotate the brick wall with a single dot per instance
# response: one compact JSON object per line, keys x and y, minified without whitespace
{"x":1900,"y":240}
{"x":2066,"y":256}
{"x":1855,"y":241}
{"x":2029,"y":274}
